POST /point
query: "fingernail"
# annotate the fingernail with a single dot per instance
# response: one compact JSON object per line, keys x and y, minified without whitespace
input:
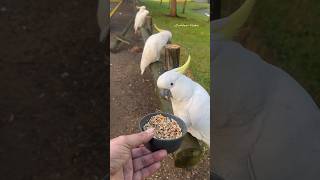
{"x":150,"y":131}
{"x":164,"y":153}
{"x":157,"y":165}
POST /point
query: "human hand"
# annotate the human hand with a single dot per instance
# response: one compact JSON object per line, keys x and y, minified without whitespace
{"x":130,"y":160}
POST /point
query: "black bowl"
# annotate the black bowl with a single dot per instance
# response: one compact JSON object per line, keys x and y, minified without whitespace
{"x":170,"y":145}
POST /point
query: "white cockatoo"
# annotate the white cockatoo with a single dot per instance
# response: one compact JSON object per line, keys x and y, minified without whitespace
{"x":153,"y":46}
{"x":140,"y":18}
{"x":102,"y":16}
{"x":266,"y":126}
{"x":190,"y":101}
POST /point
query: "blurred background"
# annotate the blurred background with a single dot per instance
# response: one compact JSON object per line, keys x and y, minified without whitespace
{"x":53,"y":91}
{"x":286,"y":34}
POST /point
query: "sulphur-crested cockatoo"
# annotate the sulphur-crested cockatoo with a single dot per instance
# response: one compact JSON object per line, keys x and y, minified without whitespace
{"x":266,"y":126}
{"x":153,"y":46}
{"x":102,"y":18}
{"x":190,"y":101}
{"x":140,"y":18}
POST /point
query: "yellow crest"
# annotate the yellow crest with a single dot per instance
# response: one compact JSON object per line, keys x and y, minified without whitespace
{"x":158,"y":29}
{"x":182,"y":69}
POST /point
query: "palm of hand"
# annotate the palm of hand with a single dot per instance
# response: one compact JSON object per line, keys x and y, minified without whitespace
{"x":133,"y":164}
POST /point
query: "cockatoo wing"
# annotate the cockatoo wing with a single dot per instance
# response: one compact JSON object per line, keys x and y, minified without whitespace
{"x":140,"y":19}
{"x":137,"y":21}
{"x":149,"y":54}
{"x":152,"y":49}
{"x":195,"y":112}
{"x":199,"y":112}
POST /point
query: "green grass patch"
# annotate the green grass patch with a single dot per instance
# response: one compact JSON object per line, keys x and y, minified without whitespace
{"x":196,"y":38}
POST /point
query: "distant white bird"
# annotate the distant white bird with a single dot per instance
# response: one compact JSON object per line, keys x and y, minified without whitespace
{"x":140,"y":18}
{"x":153,"y":46}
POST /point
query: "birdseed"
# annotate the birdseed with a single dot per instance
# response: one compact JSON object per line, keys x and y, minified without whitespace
{"x":164,"y":127}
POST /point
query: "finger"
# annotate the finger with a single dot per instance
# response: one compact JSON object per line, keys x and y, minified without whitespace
{"x":146,"y":172}
{"x":128,"y":170}
{"x":146,"y":160}
{"x":134,"y":140}
{"x":137,"y":152}
{"x":141,"y":145}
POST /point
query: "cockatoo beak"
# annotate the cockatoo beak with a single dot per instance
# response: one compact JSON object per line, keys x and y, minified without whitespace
{"x":158,"y":29}
{"x":186,"y":65}
{"x":165,"y":94}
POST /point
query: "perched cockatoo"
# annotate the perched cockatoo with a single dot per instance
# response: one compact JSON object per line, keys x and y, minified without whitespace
{"x":190,"y":101}
{"x":102,"y":18}
{"x":140,"y":18}
{"x":266,"y":126}
{"x":153,"y":46}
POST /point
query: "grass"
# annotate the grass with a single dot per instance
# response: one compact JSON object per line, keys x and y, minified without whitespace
{"x":197,"y":39}
{"x":290,"y":29}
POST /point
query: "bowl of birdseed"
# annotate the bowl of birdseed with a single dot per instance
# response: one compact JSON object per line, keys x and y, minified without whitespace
{"x":169,"y":131}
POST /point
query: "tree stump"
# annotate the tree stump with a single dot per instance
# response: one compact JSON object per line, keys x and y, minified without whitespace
{"x":147,"y":29}
{"x":148,"y":24}
{"x":172,"y":56}
{"x":189,"y":154}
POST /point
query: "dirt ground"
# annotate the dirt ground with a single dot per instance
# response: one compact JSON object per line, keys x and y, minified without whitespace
{"x":132,"y":96}
{"x":52,"y":102}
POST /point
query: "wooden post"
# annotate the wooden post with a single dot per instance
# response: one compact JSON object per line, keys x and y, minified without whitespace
{"x":172,"y":56}
{"x":189,"y":153}
{"x":148,"y":24}
{"x":173,"y":8}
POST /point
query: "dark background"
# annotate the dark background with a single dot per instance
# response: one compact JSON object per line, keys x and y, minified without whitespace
{"x":53,"y":91}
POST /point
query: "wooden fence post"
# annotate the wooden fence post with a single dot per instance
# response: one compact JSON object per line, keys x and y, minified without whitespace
{"x":146,"y":30}
{"x":149,"y":24}
{"x":172,"y":56}
{"x":189,"y":153}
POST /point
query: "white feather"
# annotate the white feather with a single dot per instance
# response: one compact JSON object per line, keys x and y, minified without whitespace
{"x":190,"y":101}
{"x":152,"y":48}
{"x":140,"y":18}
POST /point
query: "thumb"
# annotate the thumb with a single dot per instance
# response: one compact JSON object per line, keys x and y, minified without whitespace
{"x":134,"y":140}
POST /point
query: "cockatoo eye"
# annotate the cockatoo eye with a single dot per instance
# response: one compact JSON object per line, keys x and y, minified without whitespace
{"x":171,"y":84}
